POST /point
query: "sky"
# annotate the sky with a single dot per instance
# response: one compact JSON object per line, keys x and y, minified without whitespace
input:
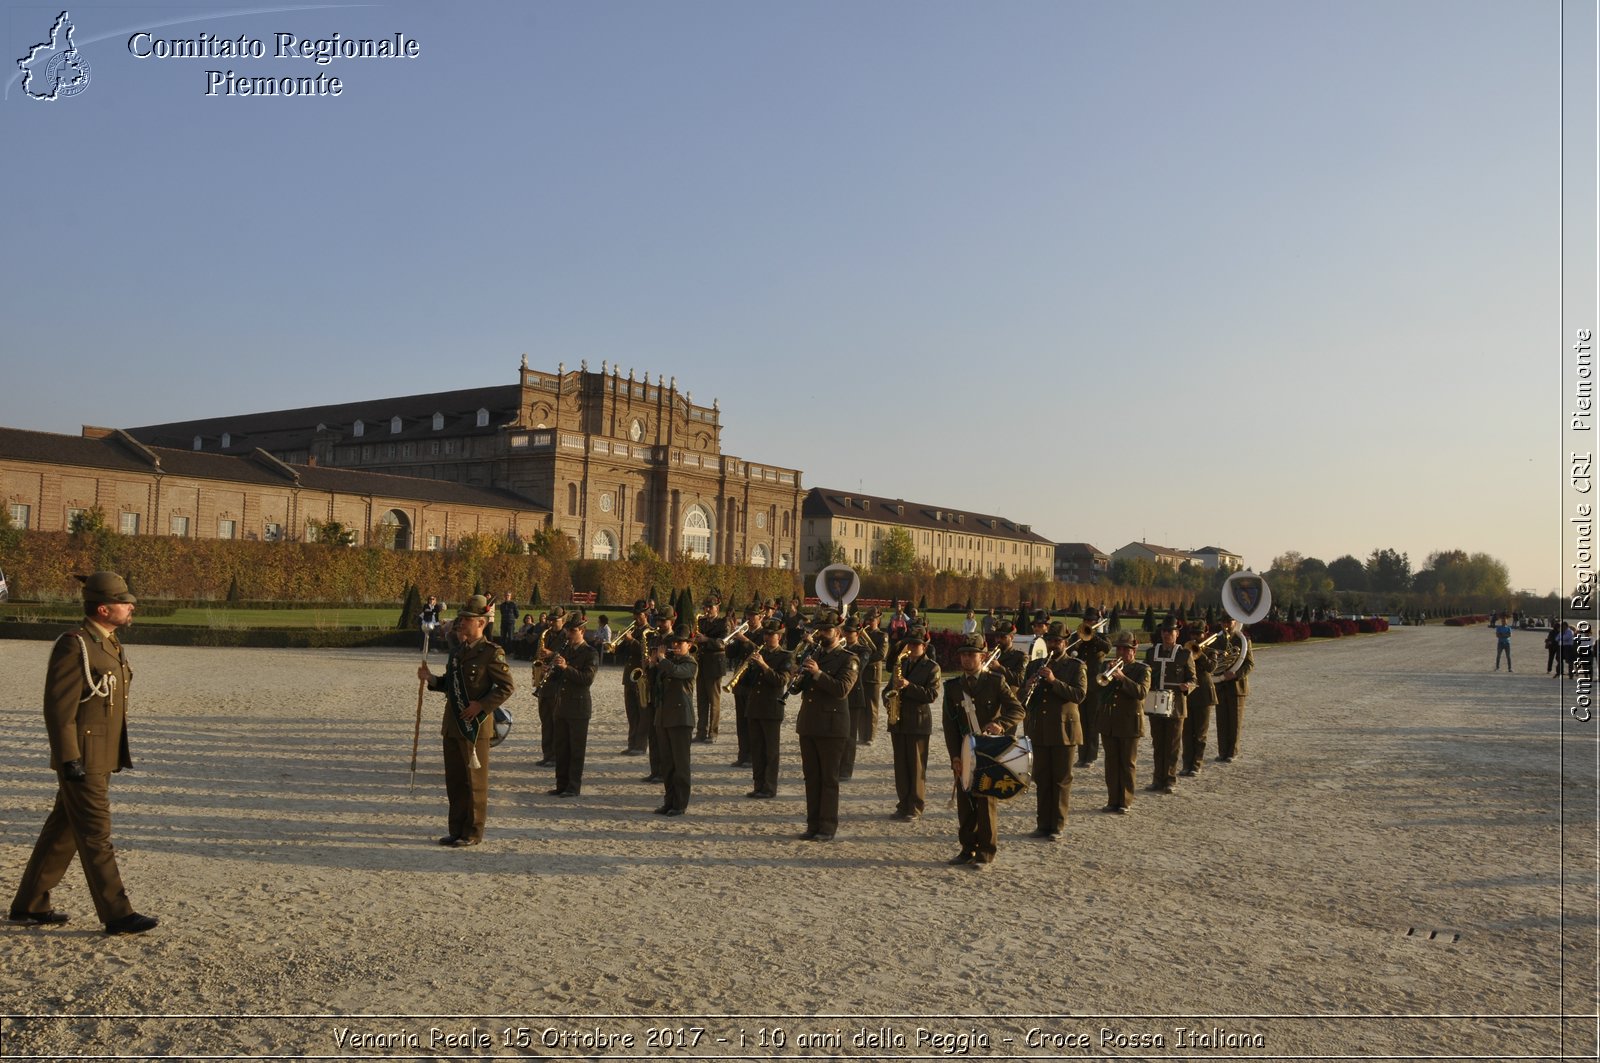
{"x":1255,"y":275}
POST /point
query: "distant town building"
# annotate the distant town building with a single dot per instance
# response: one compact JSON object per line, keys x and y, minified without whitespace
{"x":1080,"y":563}
{"x":957,"y":540}
{"x":616,"y":460}
{"x":48,"y":480}
{"x":1216,"y":557}
{"x":1161,"y":555}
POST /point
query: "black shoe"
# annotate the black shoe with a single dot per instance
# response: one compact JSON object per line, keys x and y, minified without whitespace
{"x":823,"y":838}
{"x":652,"y":778}
{"x":463,"y":843}
{"x":1109,"y":808}
{"x":1168,"y":789}
{"x":448,"y":839}
{"x":758,"y":794}
{"x":567,"y":793}
{"x":1188,"y":772}
{"x":544,"y":764}
{"x":1225,"y":760}
{"x":50,"y":918}
{"x":740,"y":764}
{"x":903,"y":816}
{"x":557,"y":792}
{"x":1123,"y":810}
{"x":132,"y":923}
{"x":963,"y":857}
{"x":663,"y":810}
{"x":633,"y":752}
{"x":809,"y":836}
{"x":673,"y":812}
{"x":1040,"y":832}
{"x":1153,"y":788}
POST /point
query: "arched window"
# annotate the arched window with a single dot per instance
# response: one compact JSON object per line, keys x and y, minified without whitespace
{"x":605,"y":546}
{"x":697,"y":532}
{"x":758,"y":556}
{"x":358,"y":429}
{"x":572,"y":500}
{"x":394,"y":531}
{"x":483,"y":418}
{"x":438,"y":421}
{"x":785,"y":562}
{"x":786,"y":524}
{"x":733,"y":515}
{"x":227,"y":441}
{"x":395,"y":424}
{"x":198,"y":442}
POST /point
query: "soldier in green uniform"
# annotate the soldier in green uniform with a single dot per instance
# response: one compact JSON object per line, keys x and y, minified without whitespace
{"x":915,"y":685}
{"x":860,"y":710}
{"x":986,"y":702}
{"x":766,"y":683}
{"x":1091,"y":648}
{"x":631,"y":654}
{"x":1232,"y":688}
{"x":86,"y":714}
{"x":1171,"y":669}
{"x":1011,"y":661}
{"x":544,"y":688}
{"x":1052,"y":690}
{"x":1123,"y":687}
{"x":673,"y":678}
{"x":823,"y":724}
{"x":575,"y":664}
{"x":476,"y":681}
{"x":1198,"y":719}
{"x":873,"y":671}
{"x":712,"y":629}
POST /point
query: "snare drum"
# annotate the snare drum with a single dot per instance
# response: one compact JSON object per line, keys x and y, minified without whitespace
{"x":1158,"y":703}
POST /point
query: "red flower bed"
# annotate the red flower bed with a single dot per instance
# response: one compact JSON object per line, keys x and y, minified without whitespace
{"x":1372,"y":625}
{"x":1326,"y":629}
{"x":1466,"y":621}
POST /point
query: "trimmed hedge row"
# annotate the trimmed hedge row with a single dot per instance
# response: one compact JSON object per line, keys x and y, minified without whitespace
{"x":257,"y":638}
{"x":1467,"y":621}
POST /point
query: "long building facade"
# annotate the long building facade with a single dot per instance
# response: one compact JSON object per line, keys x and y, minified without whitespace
{"x":47,"y":481}
{"x":955,"y":540}
{"x":615,"y":460}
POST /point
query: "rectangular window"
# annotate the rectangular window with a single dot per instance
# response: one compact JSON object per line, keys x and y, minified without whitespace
{"x":272,"y":532}
{"x":433,"y":542}
{"x":73,"y":513}
{"x":128,"y":524}
{"x":20,"y":515}
{"x":433,"y":447}
{"x":225,"y":529}
{"x":311,"y":531}
{"x":179,"y":526}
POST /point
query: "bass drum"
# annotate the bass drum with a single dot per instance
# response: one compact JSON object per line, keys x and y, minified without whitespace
{"x":997,"y":766}
{"x":502,"y":725}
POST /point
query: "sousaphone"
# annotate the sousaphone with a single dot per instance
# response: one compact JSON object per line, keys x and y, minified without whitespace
{"x":1247,"y":598}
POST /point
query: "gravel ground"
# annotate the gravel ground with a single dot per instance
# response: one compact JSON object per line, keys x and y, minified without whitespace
{"x":1401,"y":863}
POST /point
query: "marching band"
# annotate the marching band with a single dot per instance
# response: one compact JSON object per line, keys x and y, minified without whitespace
{"x":1019,"y":711}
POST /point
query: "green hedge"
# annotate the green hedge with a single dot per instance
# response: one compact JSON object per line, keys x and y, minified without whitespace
{"x":264,"y":638}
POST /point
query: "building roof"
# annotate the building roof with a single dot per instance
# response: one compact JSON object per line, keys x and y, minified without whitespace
{"x":1215,"y":550}
{"x":1157,"y":549}
{"x":284,"y":429}
{"x":118,"y":452}
{"x":830,"y":502}
{"x":1080,"y":548}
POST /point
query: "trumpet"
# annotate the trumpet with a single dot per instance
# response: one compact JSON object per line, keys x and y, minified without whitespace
{"x":744,"y":625}
{"x":611,"y":647}
{"x":1110,"y":672}
{"x":988,"y":662}
{"x":1195,"y":647}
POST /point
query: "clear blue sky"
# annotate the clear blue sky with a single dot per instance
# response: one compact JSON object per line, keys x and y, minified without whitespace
{"x":986,"y":255}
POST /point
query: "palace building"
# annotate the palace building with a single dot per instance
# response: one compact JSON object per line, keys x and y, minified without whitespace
{"x":50,"y":480}
{"x":615,"y":460}
{"x":954,"y":540}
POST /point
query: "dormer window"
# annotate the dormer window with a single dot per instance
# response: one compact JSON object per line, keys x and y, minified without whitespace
{"x":358,"y":429}
{"x":227,"y":441}
{"x":438,"y":421}
{"x":322,"y":426}
{"x":198,"y":443}
{"x":395,"y":425}
{"x":483,"y":418}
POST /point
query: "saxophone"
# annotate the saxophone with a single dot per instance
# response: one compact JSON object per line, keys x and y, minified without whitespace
{"x":891,"y":697}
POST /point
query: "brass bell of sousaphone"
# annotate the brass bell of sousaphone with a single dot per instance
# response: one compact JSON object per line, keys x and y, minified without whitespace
{"x":1247,"y":599}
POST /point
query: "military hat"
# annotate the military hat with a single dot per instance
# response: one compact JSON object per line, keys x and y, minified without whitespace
{"x":971,"y":644}
{"x":576,"y":620}
{"x":105,"y":588}
{"x":1058,"y":630}
{"x":477,"y":605}
{"x":640,"y":605}
{"x":1090,"y":615}
{"x":852,"y":624}
{"x":825,"y":618}
{"x":916,"y":634}
{"x":558,"y":612}
{"x":772,"y":626}
{"x":1169,"y":624}
{"x":1041,"y":617}
{"x":1004,"y":627}
{"x":1127,"y":638}
{"x":679,"y":635}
